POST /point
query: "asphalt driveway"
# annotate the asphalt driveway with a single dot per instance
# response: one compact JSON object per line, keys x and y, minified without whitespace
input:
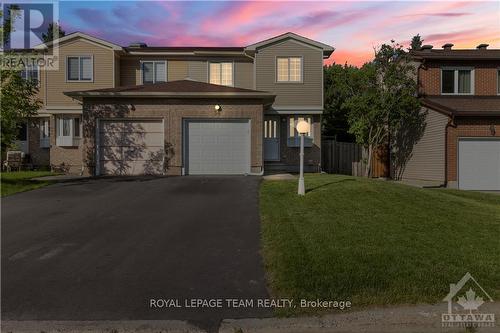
{"x":102,"y":249}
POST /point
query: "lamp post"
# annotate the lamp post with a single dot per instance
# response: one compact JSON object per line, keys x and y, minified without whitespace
{"x":303,"y":129}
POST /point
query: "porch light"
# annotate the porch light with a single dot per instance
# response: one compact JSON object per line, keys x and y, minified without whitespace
{"x":303,"y":129}
{"x":217,"y":108}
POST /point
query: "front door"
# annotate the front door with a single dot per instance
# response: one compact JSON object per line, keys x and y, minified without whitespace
{"x":271,"y":139}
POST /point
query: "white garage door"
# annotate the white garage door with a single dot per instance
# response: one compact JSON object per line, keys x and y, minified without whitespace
{"x":130,"y":147}
{"x":479,"y":164}
{"x":217,"y":147}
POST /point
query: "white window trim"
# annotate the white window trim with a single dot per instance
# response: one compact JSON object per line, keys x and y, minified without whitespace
{"x":301,"y":69}
{"x":154,"y":70}
{"x":79,"y":68}
{"x":68,"y":140}
{"x":455,"y":88}
{"x":296,"y":136}
{"x":220,"y":74}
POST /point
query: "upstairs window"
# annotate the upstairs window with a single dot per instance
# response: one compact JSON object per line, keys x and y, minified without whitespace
{"x":154,"y":72}
{"x":457,"y":81}
{"x":31,"y":73}
{"x":289,"y":69}
{"x":79,"y":68}
{"x":221,"y":73}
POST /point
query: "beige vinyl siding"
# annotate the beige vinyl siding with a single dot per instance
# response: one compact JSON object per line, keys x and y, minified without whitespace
{"x":177,"y":70}
{"x":103,"y":59}
{"x":130,"y":71}
{"x":428,"y":156}
{"x":198,"y":70}
{"x":309,"y":92}
{"x":243,"y":75}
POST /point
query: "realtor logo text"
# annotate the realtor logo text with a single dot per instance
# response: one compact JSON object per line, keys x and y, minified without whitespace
{"x":169,"y":303}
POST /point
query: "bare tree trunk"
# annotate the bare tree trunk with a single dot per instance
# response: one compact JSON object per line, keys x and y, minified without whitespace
{"x":368,"y":168}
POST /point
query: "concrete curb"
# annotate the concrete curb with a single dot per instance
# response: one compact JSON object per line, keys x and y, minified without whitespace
{"x":125,"y":326}
{"x":401,"y":319}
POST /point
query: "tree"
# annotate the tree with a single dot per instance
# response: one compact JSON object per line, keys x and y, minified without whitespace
{"x":18,"y":97}
{"x":338,"y":87}
{"x":386,"y":100}
{"x":416,"y":42}
{"x":53,"y":27}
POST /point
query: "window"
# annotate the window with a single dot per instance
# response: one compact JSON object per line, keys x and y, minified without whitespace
{"x":294,"y":136}
{"x":221,"y":73}
{"x":154,"y":72}
{"x":289,"y":69}
{"x":44,"y":133}
{"x":458,"y":81}
{"x":68,"y":131}
{"x":31,"y":72}
{"x":498,"y":81}
{"x":79,"y":68}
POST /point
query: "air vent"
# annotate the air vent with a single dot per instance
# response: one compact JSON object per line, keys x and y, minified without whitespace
{"x":447,"y":46}
{"x":426,"y":48}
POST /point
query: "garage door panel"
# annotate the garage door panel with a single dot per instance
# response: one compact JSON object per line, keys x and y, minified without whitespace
{"x":479,"y":164}
{"x":149,"y":153}
{"x":130,"y":168}
{"x":130,"y":147}
{"x":218,"y":147}
{"x":136,"y":139}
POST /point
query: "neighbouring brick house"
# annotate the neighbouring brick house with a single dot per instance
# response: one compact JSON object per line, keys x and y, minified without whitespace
{"x":139,"y":109}
{"x":460,"y":95}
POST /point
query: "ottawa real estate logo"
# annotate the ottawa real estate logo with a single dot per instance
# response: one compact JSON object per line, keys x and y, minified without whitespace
{"x":464,"y":300}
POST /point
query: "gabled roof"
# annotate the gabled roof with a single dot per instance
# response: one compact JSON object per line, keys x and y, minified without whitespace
{"x":327,"y":49}
{"x":175,"y":89}
{"x":464,"y":105}
{"x":78,"y":34}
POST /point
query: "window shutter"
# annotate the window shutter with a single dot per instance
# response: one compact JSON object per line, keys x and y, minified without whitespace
{"x":147,"y":72}
{"x":73,"y":64}
{"x":160,"y":72}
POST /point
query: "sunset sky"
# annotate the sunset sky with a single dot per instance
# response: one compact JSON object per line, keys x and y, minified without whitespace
{"x":354,"y":28}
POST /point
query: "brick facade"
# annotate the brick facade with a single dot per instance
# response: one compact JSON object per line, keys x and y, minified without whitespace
{"x":172,"y":112}
{"x":485,"y":76}
{"x":462,"y":128}
{"x":65,"y":159}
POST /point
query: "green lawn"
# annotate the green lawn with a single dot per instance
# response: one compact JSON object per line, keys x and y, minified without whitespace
{"x":376,"y":242}
{"x":13,"y":182}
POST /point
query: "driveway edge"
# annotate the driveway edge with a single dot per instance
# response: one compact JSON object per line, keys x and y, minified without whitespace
{"x":99,"y":326}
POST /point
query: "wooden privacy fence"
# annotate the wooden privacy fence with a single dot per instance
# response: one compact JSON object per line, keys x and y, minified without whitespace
{"x":348,"y":158}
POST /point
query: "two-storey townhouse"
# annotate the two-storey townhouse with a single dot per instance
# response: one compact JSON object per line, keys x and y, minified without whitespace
{"x":460,"y":96}
{"x":180,"y":110}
